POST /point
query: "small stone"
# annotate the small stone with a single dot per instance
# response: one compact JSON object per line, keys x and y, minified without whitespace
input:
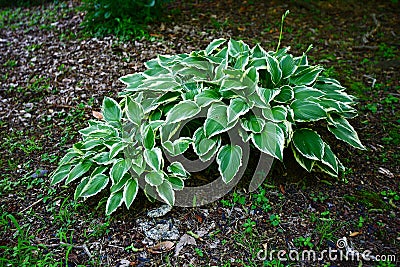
{"x":165,"y":231}
{"x":39,"y":174}
{"x":161,"y":211}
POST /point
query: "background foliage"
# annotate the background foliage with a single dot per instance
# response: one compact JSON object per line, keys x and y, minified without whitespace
{"x":123,"y":18}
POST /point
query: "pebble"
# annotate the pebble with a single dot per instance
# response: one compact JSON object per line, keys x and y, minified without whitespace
{"x":39,"y":174}
{"x":159,"y":212}
{"x":159,"y":230}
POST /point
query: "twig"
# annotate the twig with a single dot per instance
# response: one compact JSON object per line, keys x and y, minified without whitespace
{"x":365,"y":47}
{"x":369,"y":34}
{"x":372,"y":78}
{"x":114,"y":246}
{"x":84,"y":247}
{"x":30,"y":206}
{"x":69,"y":107}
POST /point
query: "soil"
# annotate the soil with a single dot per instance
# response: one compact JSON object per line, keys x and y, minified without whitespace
{"x":52,"y":78}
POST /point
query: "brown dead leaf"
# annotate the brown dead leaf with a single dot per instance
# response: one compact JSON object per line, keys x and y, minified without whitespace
{"x":199,"y":218}
{"x":97,"y":115}
{"x":161,"y":247}
{"x":282,"y":188}
{"x":355,"y":234}
{"x":183,"y":241}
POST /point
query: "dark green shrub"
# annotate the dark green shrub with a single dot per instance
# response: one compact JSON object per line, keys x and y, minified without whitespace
{"x":123,"y":18}
{"x":24,"y":3}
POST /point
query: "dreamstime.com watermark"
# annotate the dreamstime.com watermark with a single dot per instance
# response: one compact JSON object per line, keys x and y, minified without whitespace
{"x":344,"y":252}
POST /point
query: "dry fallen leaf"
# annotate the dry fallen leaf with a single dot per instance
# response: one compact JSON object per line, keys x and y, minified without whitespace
{"x":161,"y":247}
{"x":183,"y":241}
{"x":97,"y":115}
{"x":282,"y":188}
{"x":355,"y":234}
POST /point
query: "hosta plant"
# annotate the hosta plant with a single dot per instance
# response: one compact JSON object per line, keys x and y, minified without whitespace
{"x":272,"y":98}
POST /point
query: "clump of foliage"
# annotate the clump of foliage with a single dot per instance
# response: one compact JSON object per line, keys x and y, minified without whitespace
{"x":122,"y":18}
{"x":23,"y":3}
{"x":271,"y":98}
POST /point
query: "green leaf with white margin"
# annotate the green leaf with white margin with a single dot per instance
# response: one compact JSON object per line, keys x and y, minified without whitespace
{"x":98,"y":131}
{"x":325,"y":168}
{"x":244,"y":134}
{"x":176,"y":182}
{"x":118,"y":170}
{"x":237,"y":47}
{"x":177,"y":147}
{"x":138,"y":164}
{"x":303,"y":92}
{"x":132,"y":79}
{"x":168,"y":130}
{"x":287,"y":128}
{"x":275,"y":114}
{"x":116,"y":148}
{"x":330,"y":105}
{"x":217,"y":120}
{"x":201,"y":144}
{"x":329,"y":159}
{"x":340,"y":96}
{"x":130,"y":191}
{"x":70,"y":156}
{"x":304,"y":162}
{"x":80,"y":187}
{"x":308,"y":143}
{"x":214,"y":45}
{"x":207,"y":97}
{"x":270,"y":141}
{"x":95,"y":184}
{"x":134,"y":111}
{"x":177,"y":169}
{"x":328,"y":85}
{"x":269,"y":94}
{"x":111,"y":110}
{"x":253,"y":124}
{"x":306,"y":76}
{"x":184,"y":110}
{"x":148,"y":137}
{"x":287,"y":66}
{"x":305,"y":111}
{"x":233,"y":83}
{"x":257,"y":99}
{"x":103,"y":158}
{"x":342,"y":130}
{"x":237,"y":108}
{"x":168,"y":97}
{"x":60,"y":173}
{"x":90,"y":144}
{"x":80,"y":169}
{"x":274,"y":69}
{"x":121,"y":183}
{"x":211,"y":152}
{"x":285,"y":95}
{"x":166,"y":192}
{"x":199,"y":65}
{"x":154,"y":178}
{"x":162,"y":83}
{"x":251,"y":76}
{"x":229,"y":159}
{"x":258,"y":52}
{"x":241,"y":61}
{"x":154,"y":158}
{"x":114,"y":201}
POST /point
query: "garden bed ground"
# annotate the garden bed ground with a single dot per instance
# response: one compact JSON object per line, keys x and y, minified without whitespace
{"x":52,"y":78}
